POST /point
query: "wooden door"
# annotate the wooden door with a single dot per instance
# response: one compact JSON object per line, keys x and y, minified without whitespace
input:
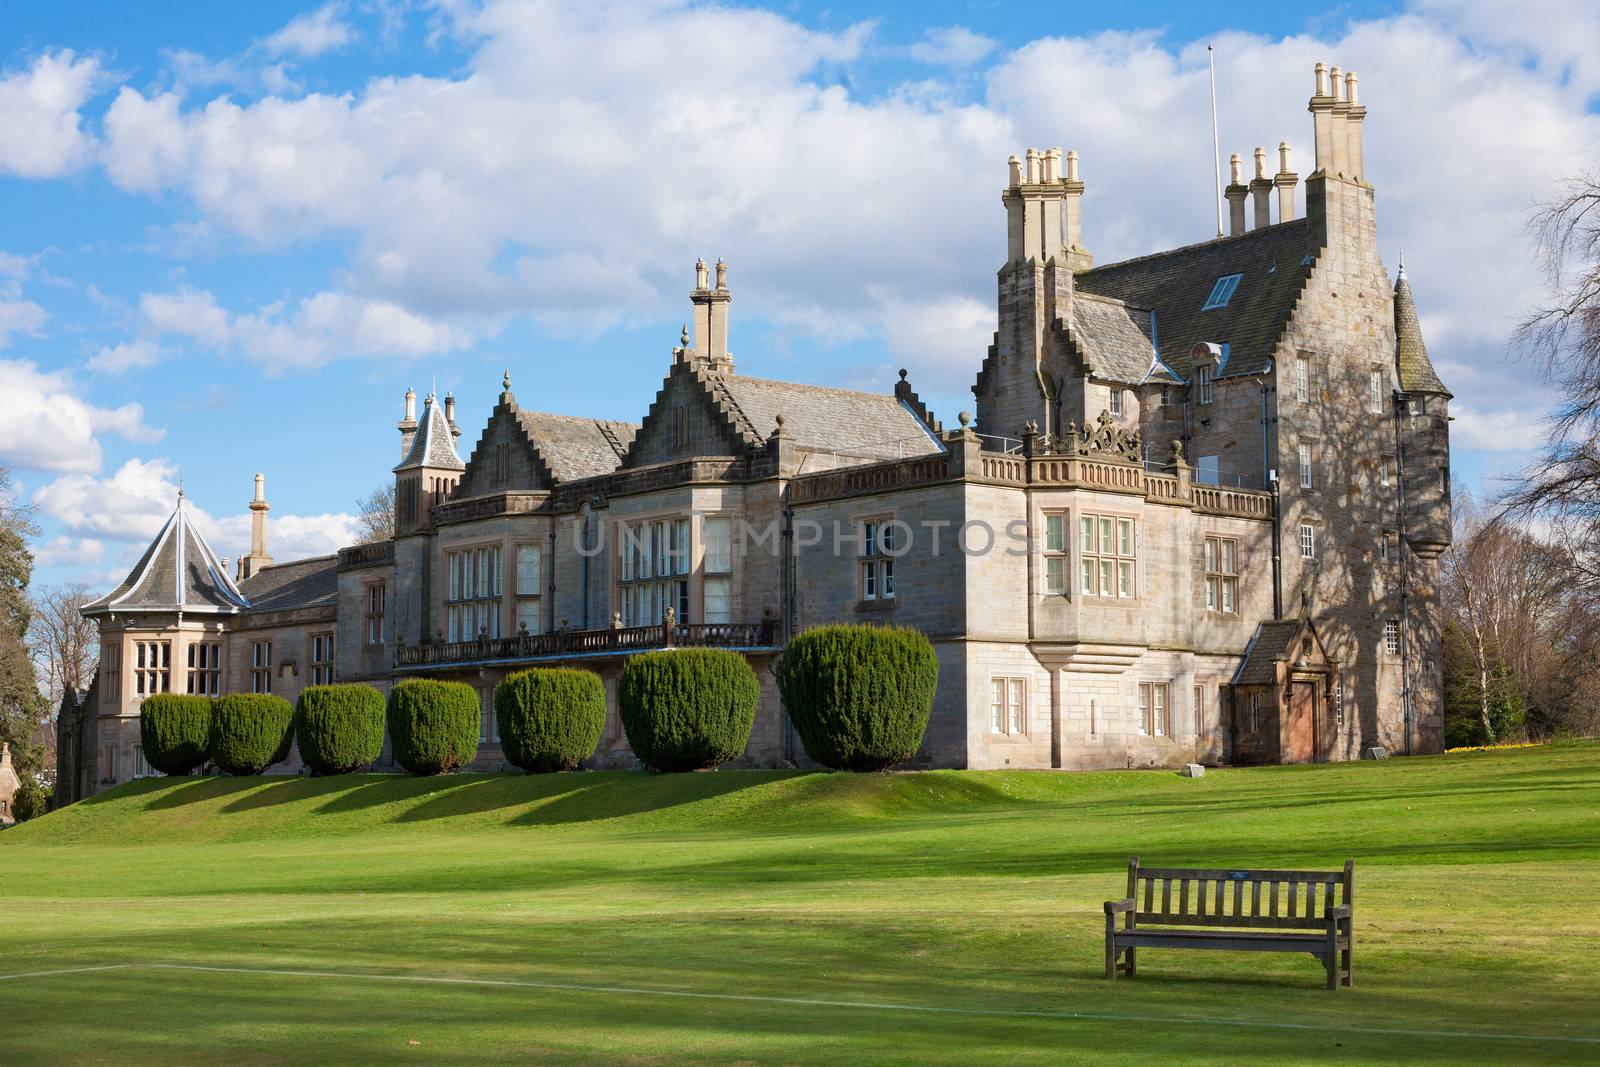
{"x":1301,"y":740}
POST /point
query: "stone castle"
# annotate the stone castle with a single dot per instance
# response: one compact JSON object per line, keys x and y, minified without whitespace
{"x":1196,"y":519}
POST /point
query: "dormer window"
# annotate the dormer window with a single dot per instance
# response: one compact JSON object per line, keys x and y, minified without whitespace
{"x":1202,"y":384}
{"x":1222,"y":292}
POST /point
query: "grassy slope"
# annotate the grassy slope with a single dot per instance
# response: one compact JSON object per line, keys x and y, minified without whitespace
{"x":1476,"y":911}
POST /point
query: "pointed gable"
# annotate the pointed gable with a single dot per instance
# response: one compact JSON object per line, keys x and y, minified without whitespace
{"x":178,"y":572}
{"x":1412,"y":364}
{"x":538,"y":450}
{"x":1291,"y":641}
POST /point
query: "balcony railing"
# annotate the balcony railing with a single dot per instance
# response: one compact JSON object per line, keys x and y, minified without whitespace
{"x":578,"y":644}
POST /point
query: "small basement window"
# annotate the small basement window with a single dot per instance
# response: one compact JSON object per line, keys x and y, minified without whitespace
{"x":1222,"y":292}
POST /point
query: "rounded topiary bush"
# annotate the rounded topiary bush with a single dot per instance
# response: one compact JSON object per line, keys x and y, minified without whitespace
{"x":175,"y":732}
{"x":859,"y":696}
{"x":250,"y":732}
{"x":690,"y":708}
{"x":550,"y":719}
{"x":339,"y":728}
{"x":433,"y":725}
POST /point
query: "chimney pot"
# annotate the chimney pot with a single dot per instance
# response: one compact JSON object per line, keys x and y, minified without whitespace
{"x":700,"y":274}
{"x":411,"y":403}
{"x":1338,"y":82}
{"x":1322,"y":79}
{"x":1283,"y":155}
{"x":1014,"y":167}
{"x":722,"y":274}
{"x":261,"y":487}
{"x":1072,"y":165}
{"x":1235,"y":175}
{"x":1261,"y":162}
{"x":1033,"y":166}
{"x":1350,"y":88}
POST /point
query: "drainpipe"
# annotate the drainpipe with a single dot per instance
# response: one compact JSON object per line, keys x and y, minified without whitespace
{"x":789,"y":607}
{"x":1277,"y":546}
{"x":1401,"y":402}
{"x":551,"y":566}
{"x":587,"y":520}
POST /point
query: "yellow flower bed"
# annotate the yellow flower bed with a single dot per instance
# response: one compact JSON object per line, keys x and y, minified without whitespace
{"x":1493,"y":748}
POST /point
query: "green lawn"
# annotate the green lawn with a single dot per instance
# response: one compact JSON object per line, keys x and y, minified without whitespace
{"x":945,"y":917}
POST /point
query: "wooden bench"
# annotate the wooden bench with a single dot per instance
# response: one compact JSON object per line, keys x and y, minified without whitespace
{"x":1242,"y":911}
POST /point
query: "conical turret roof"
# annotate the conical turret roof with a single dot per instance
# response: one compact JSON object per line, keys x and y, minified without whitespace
{"x":433,"y":446}
{"x":1411,"y":355}
{"x":178,"y":572}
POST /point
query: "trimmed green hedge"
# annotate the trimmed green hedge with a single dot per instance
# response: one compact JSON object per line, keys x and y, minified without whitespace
{"x":250,"y":732}
{"x":859,"y":696}
{"x":550,"y":718}
{"x":339,"y":728}
{"x":433,"y":725}
{"x":688,"y":708}
{"x":174,"y":732}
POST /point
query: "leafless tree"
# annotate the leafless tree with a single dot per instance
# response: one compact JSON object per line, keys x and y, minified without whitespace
{"x":375,"y":515}
{"x":1564,"y":336}
{"x":63,"y":643}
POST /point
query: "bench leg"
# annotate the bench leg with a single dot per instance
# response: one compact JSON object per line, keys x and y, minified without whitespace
{"x":1330,"y":958}
{"x":1111,"y":948}
{"x":1345,"y":963}
{"x":1131,"y":967}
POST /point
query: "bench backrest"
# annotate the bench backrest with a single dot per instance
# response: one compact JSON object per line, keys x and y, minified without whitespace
{"x":1193,"y":896}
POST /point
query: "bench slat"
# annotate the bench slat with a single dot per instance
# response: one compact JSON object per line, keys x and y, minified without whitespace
{"x":1255,"y":900}
{"x":1224,"y":873}
{"x":1183,"y":897}
{"x":1246,"y":922}
{"x":1274,"y":898}
{"x":1294,"y":898}
{"x":1149,"y":894}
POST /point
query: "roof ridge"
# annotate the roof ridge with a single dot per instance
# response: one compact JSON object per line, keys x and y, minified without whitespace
{"x":1213,"y":242}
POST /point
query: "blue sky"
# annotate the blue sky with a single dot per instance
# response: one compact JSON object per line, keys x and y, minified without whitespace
{"x":234,"y":234}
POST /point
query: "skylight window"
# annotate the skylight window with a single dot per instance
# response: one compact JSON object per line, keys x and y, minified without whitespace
{"x":1222,"y":292}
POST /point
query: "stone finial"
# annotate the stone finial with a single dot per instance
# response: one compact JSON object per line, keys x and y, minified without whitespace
{"x":722,"y":273}
{"x":1322,"y":79}
{"x":965,"y":419}
{"x":1235,"y":170}
{"x":700,"y":274}
{"x":670,"y":615}
{"x":616,"y":620}
{"x":505,"y":381}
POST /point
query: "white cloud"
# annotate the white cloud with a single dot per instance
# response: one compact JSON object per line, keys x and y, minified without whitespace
{"x":48,"y":427}
{"x":127,"y":356}
{"x":515,"y":187}
{"x":187,"y":313}
{"x":19,"y":316}
{"x":952,"y":46}
{"x":133,"y":503}
{"x":15,"y":266}
{"x":64,"y":551}
{"x":42,"y":135}
{"x":1494,"y":431}
{"x":312,"y":34}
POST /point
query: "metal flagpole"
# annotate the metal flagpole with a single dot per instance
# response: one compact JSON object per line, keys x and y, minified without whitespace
{"x":1216,"y":150}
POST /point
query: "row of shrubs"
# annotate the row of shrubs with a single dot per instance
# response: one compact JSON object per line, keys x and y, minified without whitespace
{"x":859,"y":698}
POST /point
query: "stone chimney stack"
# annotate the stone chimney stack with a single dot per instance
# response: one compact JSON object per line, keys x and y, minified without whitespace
{"x":1261,"y":191}
{"x":1339,"y":202}
{"x":1354,"y":114}
{"x":408,"y":425}
{"x":1235,"y":194}
{"x":1043,"y":203}
{"x":258,"y":558}
{"x":450,"y":414}
{"x":1285,"y":181}
{"x":711,"y":318}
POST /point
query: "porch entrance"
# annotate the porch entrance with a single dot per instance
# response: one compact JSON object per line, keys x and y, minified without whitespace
{"x":1300,"y":739}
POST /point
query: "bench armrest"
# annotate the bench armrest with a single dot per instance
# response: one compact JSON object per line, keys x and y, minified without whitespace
{"x":1340,"y":911}
{"x":1119,"y":907}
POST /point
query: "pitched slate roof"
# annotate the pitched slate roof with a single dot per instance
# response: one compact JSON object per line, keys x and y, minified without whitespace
{"x":1114,"y":339}
{"x":1269,"y":644}
{"x":1411,"y":355}
{"x":433,"y":445}
{"x":819,"y":418}
{"x":574,"y":447}
{"x":1272,"y":263}
{"x":305,"y":583}
{"x":178,"y":572}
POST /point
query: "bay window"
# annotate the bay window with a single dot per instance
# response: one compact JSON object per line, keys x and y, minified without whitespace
{"x":472,"y":593}
{"x":1108,"y":563}
{"x":530,"y":571}
{"x":655,"y":571}
{"x":718,"y":578}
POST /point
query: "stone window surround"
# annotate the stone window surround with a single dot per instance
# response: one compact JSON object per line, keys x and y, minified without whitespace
{"x":1012,"y":708}
{"x":1214,"y":556}
{"x":1375,"y":390}
{"x":470,"y":548}
{"x":1079,"y":514}
{"x":321,"y":666}
{"x":1308,"y":540}
{"x":1061,"y":554}
{"x":520,"y":597}
{"x":1155,"y":709}
{"x":261,"y":666}
{"x":1305,"y":462}
{"x":375,"y":602}
{"x":152,"y":667}
{"x":875,"y":561}
{"x":695,"y":569}
{"x":1391,"y":636}
{"x":204,"y":671}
